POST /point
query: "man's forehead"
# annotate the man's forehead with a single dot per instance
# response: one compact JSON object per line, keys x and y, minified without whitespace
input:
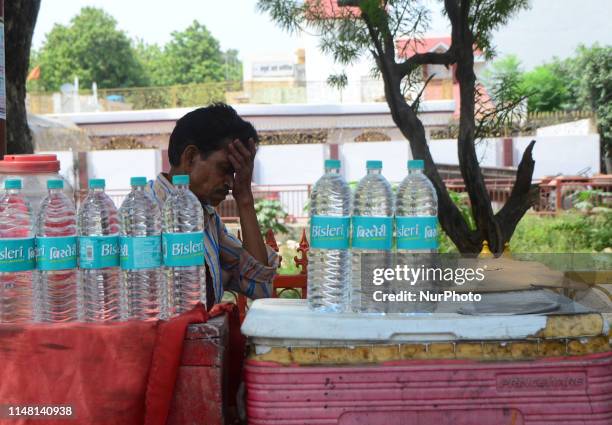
{"x":220,"y":155}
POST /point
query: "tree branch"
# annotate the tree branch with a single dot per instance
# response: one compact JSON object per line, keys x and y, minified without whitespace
{"x":412,"y":128}
{"x":430,"y":58}
{"x":521,"y":197}
{"x":415,"y":103}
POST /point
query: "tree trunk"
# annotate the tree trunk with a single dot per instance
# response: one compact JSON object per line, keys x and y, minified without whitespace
{"x":497,"y":228}
{"x":3,"y":77}
{"x":20,"y":19}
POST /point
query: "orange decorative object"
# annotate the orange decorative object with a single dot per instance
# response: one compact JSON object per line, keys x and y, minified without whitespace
{"x":303,"y":249}
{"x":271,"y":240}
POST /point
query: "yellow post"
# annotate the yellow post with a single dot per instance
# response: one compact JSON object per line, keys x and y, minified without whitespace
{"x":485,"y":251}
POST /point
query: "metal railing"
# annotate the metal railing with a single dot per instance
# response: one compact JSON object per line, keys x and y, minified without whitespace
{"x":555,"y":195}
{"x":293,"y":199}
{"x":580,"y":193}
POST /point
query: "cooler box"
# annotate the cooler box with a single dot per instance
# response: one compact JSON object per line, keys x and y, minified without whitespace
{"x":440,"y":369}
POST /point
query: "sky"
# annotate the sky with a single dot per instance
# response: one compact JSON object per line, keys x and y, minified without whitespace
{"x":235,"y":23}
{"x":550,"y":28}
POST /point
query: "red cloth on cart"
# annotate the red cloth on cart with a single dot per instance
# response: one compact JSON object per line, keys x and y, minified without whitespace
{"x":119,"y":373}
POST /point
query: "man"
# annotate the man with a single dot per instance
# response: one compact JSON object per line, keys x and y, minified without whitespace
{"x":216,"y":148}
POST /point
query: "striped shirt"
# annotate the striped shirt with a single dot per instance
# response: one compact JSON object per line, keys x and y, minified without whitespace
{"x":231,"y":266}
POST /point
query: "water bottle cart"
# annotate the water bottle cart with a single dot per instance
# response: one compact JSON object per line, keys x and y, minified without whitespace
{"x":444,"y":369}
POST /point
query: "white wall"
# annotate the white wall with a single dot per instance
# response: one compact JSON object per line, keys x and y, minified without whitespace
{"x":560,"y":154}
{"x":488,"y":151}
{"x":394,"y":156}
{"x":117,"y":166}
{"x":575,"y":128}
{"x":289,"y":164}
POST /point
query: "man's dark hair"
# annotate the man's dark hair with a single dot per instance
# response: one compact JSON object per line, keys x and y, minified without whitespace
{"x":209,"y":129}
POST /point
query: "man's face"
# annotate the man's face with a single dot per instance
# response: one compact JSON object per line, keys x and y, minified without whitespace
{"x":212,"y":178}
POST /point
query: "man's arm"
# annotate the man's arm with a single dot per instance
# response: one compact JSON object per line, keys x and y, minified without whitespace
{"x":242,"y":160}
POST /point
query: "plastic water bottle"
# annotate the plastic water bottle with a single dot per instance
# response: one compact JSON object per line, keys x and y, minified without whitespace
{"x":98,"y":226}
{"x":144,"y":293}
{"x":17,"y":255}
{"x":416,"y":212}
{"x":372,"y":237}
{"x":56,"y":291}
{"x":416,"y":223}
{"x":329,"y":259}
{"x":183,"y":247}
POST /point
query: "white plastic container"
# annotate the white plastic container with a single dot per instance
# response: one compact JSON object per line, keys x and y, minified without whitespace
{"x":34,"y":171}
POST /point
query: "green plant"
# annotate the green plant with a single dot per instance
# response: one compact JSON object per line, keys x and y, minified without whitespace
{"x":270,"y":215}
{"x":462,"y":200}
{"x":569,"y":232}
{"x":589,"y":199}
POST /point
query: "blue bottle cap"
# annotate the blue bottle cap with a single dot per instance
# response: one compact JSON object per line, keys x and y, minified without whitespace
{"x":138,"y":181}
{"x":55,"y":184}
{"x":180,"y":179}
{"x":332,"y":163}
{"x":12,"y":184}
{"x":416,"y":164}
{"x":374,"y":165}
{"x":97,"y":183}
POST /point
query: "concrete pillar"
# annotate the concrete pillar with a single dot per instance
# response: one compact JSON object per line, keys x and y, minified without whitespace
{"x":165,"y":161}
{"x":508,"y":152}
{"x":333,"y":151}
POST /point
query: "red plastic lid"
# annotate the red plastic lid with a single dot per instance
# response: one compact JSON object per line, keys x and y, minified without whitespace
{"x":47,"y":163}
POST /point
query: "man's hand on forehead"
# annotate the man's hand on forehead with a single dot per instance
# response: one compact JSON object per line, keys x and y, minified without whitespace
{"x":242,"y":159}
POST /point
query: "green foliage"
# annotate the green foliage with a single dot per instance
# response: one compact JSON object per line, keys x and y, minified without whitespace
{"x":592,"y":69}
{"x":270,"y":215}
{"x":547,"y":88}
{"x":582,"y":82}
{"x":191,"y":56}
{"x":92,"y":48}
{"x":338,"y":81}
{"x":570,"y":232}
{"x":503,"y":80}
{"x":462,"y":201}
{"x":346,"y":38}
{"x":587,"y":200}
{"x":232,"y":66}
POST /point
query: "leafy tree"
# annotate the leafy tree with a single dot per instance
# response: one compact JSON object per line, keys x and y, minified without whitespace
{"x":592,"y":71}
{"x":151,"y":58}
{"x":92,"y":48}
{"x":504,"y":78}
{"x":504,"y":83}
{"x":547,"y":87}
{"x":191,"y":56}
{"x":349,"y":29}
{"x":232,"y":65}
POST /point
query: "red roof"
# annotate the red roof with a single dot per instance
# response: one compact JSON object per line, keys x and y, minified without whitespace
{"x":329,"y":9}
{"x":408,"y":47}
